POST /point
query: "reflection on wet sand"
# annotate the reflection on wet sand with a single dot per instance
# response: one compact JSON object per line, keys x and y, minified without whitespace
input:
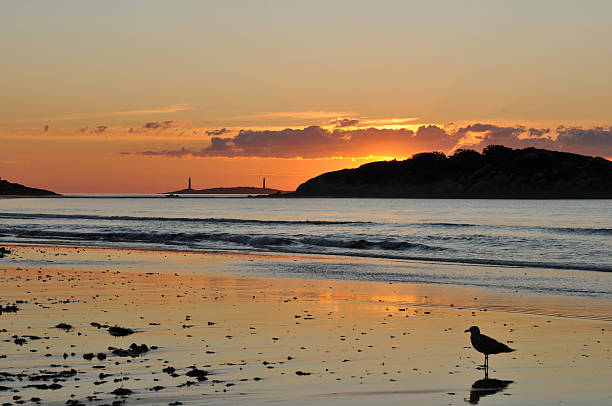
{"x":485,"y":387}
{"x":200,"y":330}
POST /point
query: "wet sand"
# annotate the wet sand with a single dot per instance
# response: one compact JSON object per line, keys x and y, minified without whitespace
{"x":215,"y":336}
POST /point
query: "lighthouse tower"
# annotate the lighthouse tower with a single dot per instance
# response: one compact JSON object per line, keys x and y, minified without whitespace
{"x":189,"y":184}
{"x":264,"y":183}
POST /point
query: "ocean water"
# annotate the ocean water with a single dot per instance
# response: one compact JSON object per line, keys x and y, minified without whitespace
{"x":548,"y":246}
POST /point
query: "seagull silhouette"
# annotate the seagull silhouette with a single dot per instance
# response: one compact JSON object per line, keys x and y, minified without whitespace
{"x":486,"y":345}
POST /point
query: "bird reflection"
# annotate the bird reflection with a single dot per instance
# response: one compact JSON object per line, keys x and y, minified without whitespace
{"x":486,"y":386}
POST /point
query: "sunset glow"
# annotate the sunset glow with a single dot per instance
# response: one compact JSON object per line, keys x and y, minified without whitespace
{"x":148,"y":94}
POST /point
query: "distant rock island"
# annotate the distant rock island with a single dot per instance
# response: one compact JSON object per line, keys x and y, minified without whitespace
{"x":238,"y":190}
{"x":499,"y":172}
{"x":15,"y":189}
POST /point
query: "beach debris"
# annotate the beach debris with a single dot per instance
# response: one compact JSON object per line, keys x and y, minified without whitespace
{"x":64,"y":326}
{"x":302,"y":373}
{"x":117,"y":331}
{"x":31,"y":337}
{"x":20,"y":341}
{"x":3,"y":252}
{"x":133,"y":351}
{"x":122,"y":392}
{"x":55,"y":376}
{"x":9,"y":377}
{"x":98,"y":325}
{"x":10,"y":308}
{"x":169,"y":370}
{"x":44,"y":386}
{"x":89,"y":356}
{"x":199,"y":374}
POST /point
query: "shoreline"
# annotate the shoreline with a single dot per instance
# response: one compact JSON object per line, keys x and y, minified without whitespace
{"x":239,"y":264}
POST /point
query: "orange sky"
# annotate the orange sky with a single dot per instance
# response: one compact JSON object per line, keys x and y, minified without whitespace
{"x":155,"y":157}
{"x":137,"y":96}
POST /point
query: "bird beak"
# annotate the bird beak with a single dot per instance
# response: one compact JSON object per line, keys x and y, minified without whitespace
{"x":467,"y":331}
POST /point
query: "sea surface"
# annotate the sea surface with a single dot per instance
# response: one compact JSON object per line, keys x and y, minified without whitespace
{"x":561,"y":247}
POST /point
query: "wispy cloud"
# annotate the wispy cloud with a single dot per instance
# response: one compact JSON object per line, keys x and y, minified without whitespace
{"x":299,"y":114}
{"x":383,"y":123}
{"x":390,"y":121}
{"x":161,"y":110}
{"x":82,"y":116}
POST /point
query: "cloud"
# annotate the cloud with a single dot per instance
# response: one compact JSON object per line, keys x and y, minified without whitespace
{"x":593,"y":141}
{"x":478,"y":136}
{"x":344,"y":122}
{"x":169,"y":153}
{"x":81,"y":116}
{"x":158,"y":126}
{"x":318,"y":142}
{"x":299,"y":114}
{"x":98,"y":129}
{"x":161,"y":110}
{"x":538,"y":132}
{"x":46,"y":127}
{"x":389,"y":122}
{"x":152,"y":125}
{"x":219,"y":131}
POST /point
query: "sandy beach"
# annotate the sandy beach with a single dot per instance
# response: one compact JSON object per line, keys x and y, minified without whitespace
{"x":213,"y":335}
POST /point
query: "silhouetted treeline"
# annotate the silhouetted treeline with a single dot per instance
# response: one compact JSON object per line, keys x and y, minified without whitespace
{"x":499,"y":172}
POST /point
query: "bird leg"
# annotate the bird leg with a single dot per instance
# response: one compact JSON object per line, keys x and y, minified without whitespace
{"x":486,"y":366}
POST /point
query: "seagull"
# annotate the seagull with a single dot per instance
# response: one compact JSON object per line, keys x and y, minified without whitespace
{"x":486,"y":345}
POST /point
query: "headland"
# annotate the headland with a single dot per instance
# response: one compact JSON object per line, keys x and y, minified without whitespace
{"x":499,"y":172}
{"x":15,"y":189}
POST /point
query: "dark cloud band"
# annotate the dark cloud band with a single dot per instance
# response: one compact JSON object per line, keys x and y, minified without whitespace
{"x":317,"y":142}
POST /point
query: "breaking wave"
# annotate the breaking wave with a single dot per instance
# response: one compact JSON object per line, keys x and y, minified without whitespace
{"x":238,"y":221}
{"x":354,"y":247}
